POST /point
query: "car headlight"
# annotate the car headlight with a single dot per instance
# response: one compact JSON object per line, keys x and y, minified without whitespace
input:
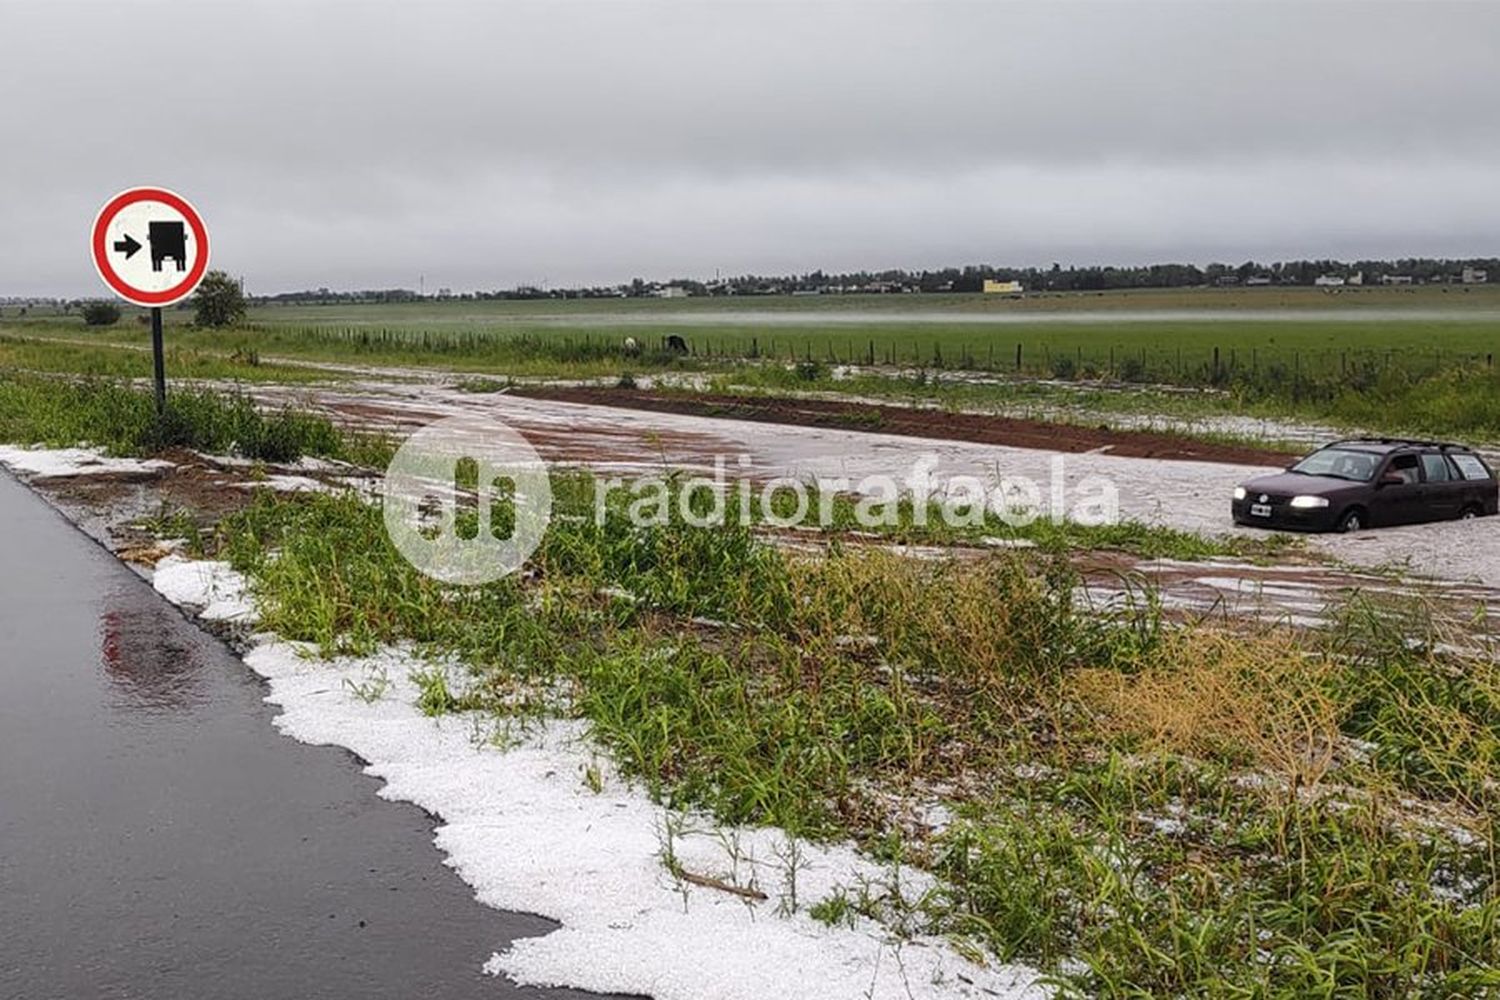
{"x":1306,"y":502}
{"x":1239,"y":492}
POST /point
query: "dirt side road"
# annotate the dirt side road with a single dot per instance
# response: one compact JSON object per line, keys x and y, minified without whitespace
{"x":932,"y":424}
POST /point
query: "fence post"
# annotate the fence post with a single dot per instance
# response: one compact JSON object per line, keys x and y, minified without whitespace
{"x":1018,"y":357}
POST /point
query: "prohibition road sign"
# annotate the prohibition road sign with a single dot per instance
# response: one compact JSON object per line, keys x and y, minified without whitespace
{"x":150,"y":246}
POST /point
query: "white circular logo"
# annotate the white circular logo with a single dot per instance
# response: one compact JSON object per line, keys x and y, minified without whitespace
{"x":467,"y":500}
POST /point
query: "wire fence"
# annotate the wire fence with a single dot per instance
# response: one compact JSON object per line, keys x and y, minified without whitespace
{"x":1206,"y":364}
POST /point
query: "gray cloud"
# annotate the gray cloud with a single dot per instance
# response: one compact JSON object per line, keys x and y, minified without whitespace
{"x":357,"y":145}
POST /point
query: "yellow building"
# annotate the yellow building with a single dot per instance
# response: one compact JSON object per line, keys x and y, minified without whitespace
{"x":1002,"y":287}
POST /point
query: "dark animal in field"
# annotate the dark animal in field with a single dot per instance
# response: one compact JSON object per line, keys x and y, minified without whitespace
{"x":168,"y":239}
{"x":676,"y":344}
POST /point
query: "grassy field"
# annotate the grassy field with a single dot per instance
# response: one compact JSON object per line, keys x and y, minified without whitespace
{"x":1141,"y":809}
{"x":1155,"y":336}
{"x":121,"y":419}
{"x":1417,"y":360}
{"x":92,"y":356}
{"x":1176,"y":330}
{"x":1138,"y":805}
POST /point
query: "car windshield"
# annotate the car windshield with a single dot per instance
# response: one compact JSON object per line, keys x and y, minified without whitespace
{"x":1339,"y":463}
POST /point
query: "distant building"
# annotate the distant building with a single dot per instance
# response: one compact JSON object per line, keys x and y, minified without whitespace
{"x":671,"y":292}
{"x":1329,"y":281}
{"x":1395,"y":279}
{"x":1225,"y":280}
{"x":1256,"y":280}
{"x":1357,"y":278}
{"x":1475,"y":276}
{"x":992,"y":287}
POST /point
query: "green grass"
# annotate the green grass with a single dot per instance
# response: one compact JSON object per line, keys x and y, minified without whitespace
{"x":1302,"y":329}
{"x":1159,"y":335}
{"x":900,"y":523}
{"x":1458,"y":401}
{"x":119,"y":361}
{"x":122,"y":420}
{"x":1172,"y":350}
{"x":1395,"y":360}
{"x":1142,"y":809}
{"x":536,"y":353}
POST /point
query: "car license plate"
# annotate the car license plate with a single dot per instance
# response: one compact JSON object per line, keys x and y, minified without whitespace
{"x":1260,"y":510}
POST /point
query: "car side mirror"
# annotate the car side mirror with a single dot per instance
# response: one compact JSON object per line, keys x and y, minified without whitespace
{"x":1392,"y":479}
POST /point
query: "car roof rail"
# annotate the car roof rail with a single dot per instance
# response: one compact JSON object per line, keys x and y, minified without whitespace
{"x":1410,"y":442}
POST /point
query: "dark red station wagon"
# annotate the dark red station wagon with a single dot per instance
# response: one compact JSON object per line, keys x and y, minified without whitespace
{"x":1370,"y":482}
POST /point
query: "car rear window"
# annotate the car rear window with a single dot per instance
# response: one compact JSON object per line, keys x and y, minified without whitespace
{"x":1435,"y":467}
{"x":1470,"y":466}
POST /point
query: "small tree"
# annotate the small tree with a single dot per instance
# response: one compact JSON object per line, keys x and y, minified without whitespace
{"x":218,"y":301}
{"x":101,"y":313}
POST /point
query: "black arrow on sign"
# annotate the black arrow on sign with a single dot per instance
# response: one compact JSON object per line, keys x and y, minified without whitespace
{"x":128,"y":246}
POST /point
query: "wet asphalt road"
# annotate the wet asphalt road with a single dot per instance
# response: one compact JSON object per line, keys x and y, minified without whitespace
{"x":159,"y":839}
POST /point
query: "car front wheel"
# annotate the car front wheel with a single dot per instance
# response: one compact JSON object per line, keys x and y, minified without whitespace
{"x":1352,"y":520}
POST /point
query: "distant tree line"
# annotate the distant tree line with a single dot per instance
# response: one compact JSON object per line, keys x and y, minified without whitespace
{"x":971,"y":278}
{"x":325,"y":296}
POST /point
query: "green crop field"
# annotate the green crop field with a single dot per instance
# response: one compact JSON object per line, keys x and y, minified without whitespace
{"x":1171,"y":335}
{"x":1419,"y":359}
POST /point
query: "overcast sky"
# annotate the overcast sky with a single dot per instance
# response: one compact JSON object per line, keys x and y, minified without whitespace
{"x":489,"y":144}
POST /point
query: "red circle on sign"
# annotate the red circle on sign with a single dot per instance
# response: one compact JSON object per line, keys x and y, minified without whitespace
{"x":125,"y":290}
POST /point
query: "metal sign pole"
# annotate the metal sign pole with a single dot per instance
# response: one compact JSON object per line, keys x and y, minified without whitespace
{"x":160,"y":362}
